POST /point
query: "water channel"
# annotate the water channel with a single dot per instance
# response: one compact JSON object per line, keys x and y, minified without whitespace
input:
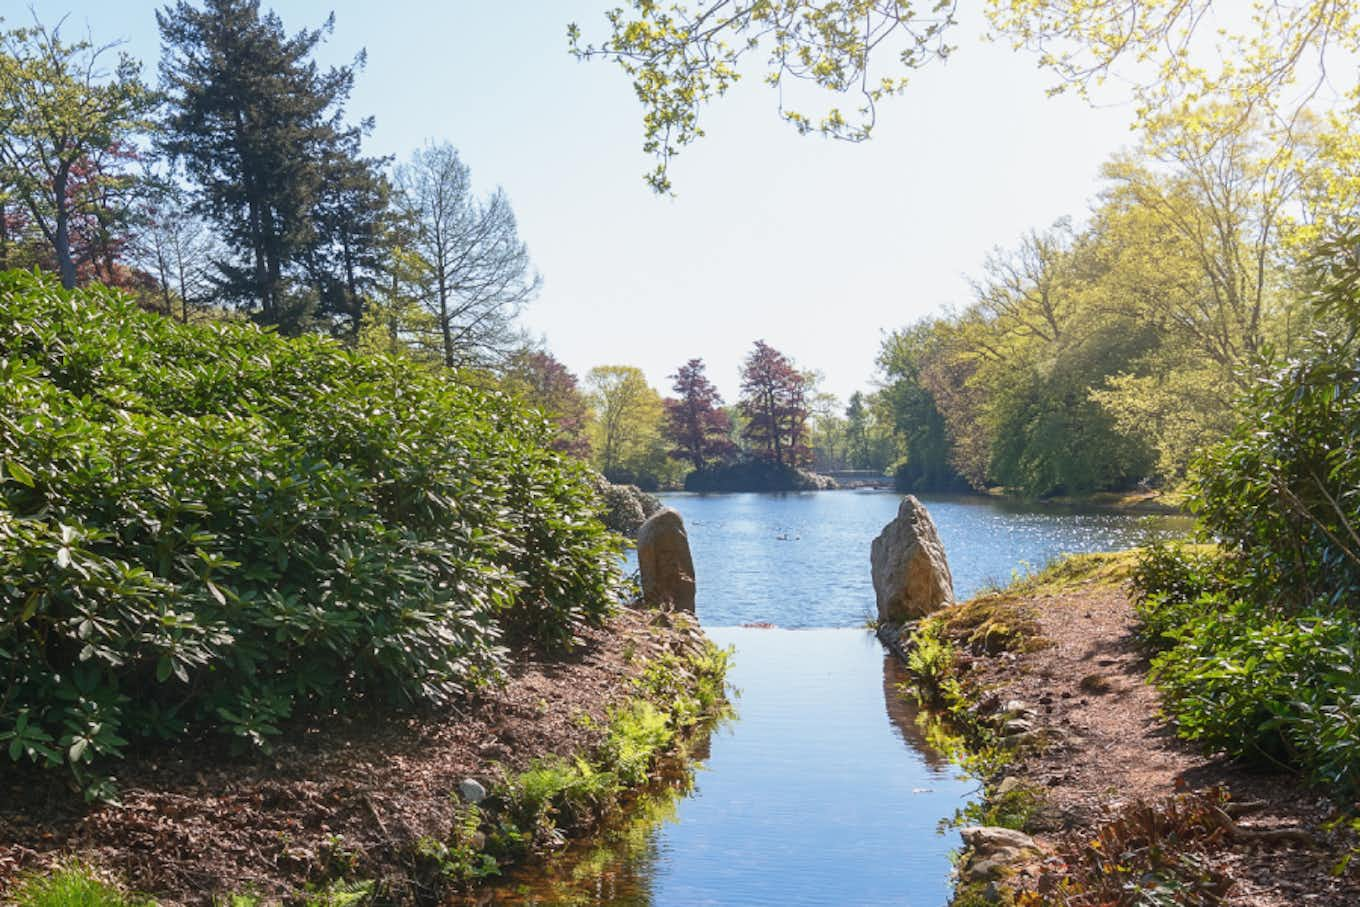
{"x":821,"y":788}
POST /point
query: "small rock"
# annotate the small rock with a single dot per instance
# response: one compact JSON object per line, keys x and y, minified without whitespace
{"x":1009,"y":784}
{"x":1017,"y":707}
{"x":1021,"y":740}
{"x":991,"y":838}
{"x":990,"y":867}
{"x":471,"y":790}
{"x":1097,"y":684}
{"x":1016,"y":726}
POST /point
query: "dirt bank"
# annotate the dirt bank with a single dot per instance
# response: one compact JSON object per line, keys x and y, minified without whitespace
{"x":1049,"y":684}
{"x":372,"y":798}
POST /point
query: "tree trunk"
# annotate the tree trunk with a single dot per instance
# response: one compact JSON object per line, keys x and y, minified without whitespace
{"x":163,"y":271}
{"x":61,"y":240}
{"x":4,"y":236}
{"x":444,"y":325}
{"x":183,"y":283}
{"x":258,"y":255}
{"x":352,"y":302}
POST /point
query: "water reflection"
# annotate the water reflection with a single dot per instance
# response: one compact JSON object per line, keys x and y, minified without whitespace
{"x":903,"y":715}
{"x":822,"y":792}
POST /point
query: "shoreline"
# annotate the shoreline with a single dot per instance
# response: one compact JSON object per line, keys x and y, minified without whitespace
{"x":1143,"y":503}
{"x":387,"y":809}
{"x":1043,"y":691}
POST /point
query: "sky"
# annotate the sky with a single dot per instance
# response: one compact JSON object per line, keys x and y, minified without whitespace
{"x":818,"y":247}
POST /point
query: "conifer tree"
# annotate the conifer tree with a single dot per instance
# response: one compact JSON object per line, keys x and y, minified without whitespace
{"x":255,"y":124}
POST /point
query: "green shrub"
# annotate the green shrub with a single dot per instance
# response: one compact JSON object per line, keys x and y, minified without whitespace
{"x":216,"y":528}
{"x":1178,"y":572}
{"x":1281,"y":495}
{"x":1174,"y":586}
{"x":1260,"y":644}
{"x":1284,"y":691}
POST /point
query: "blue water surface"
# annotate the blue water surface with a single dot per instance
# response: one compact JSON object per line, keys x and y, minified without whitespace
{"x":802,"y":560}
{"x":821,"y":789}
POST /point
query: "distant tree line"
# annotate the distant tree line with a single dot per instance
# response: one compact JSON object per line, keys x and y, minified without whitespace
{"x":239,"y":184}
{"x":1092,"y":356}
{"x":1103,"y":356}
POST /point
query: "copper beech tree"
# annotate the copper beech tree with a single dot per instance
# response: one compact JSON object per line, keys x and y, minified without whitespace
{"x":695,"y":421}
{"x":774,"y":403}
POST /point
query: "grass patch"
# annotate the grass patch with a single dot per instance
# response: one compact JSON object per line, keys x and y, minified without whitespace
{"x":1014,"y":808}
{"x":341,"y":894}
{"x":1104,"y":568}
{"x":988,"y":624}
{"x":537,"y":808}
{"x":72,"y":885}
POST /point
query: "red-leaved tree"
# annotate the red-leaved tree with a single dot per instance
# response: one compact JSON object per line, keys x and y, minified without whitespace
{"x":774,"y":401}
{"x":695,"y":422}
{"x":543,"y":381}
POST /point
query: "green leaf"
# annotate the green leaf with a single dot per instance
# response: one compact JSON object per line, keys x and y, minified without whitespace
{"x":19,"y":473}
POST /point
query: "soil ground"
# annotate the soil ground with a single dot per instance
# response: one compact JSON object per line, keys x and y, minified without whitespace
{"x":195,"y":822}
{"x":1088,"y":686}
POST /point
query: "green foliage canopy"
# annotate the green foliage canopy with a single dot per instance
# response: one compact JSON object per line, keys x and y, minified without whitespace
{"x":214,"y":528}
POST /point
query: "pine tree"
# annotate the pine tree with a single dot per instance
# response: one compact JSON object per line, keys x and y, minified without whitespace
{"x":351,"y":220}
{"x":255,"y":124}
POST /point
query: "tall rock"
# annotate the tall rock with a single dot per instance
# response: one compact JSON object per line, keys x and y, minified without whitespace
{"x":665,"y":562}
{"x":911,"y":575}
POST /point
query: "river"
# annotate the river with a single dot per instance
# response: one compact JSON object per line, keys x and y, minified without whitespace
{"x":820,"y":789}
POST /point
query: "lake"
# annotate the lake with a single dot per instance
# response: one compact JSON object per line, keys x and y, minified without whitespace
{"x":802,"y":560}
{"x":821,"y":789}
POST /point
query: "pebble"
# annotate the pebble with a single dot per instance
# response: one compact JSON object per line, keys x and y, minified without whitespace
{"x":471,"y":790}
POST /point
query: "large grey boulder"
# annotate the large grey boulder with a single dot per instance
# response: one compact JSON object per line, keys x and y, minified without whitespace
{"x":665,"y":562}
{"x":911,"y":575}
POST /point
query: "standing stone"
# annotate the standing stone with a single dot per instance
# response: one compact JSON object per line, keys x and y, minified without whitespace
{"x":911,"y":575}
{"x":665,"y":562}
